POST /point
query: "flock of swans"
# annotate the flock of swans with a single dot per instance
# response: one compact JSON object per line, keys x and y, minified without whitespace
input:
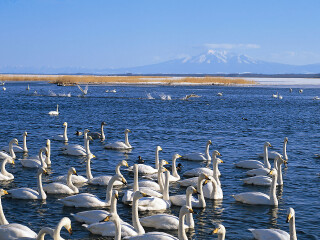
{"x":152,"y":193}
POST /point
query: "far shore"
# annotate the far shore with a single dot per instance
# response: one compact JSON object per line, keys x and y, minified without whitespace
{"x":134,"y":80}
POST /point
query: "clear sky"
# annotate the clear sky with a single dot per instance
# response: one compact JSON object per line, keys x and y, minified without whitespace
{"x":103,"y":34}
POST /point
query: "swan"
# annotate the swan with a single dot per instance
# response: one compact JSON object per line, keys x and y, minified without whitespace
{"x":4,"y":155}
{"x":16,"y":148}
{"x":253,"y":164}
{"x":77,"y":150}
{"x":259,"y":198}
{"x":89,"y":200}
{"x":174,"y":177}
{"x":94,"y":216}
{"x":146,"y":169}
{"x":59,"y":188}
{"x":273,"y":154}
{"x":54,"y":113}
{"x":168,"y":221}
{"x":180,"y":200}
{"x":63,"y":137}
{"x":277,"y":234}
{"x":28,"y":193}
{"x":36,"y":163}
{"x":4,"y":175}
{"x":154,"y":203}
{"x":197,"y":171}
{"x":97,"y":135}
{"x":199,"y":156}
{"x":128,"y":194}
{"x":104,"y":180}
{"x":263,"y":180}
{"x":221,"y":231}
{"x":120,"y":145}
{"x":107,"y":229}
{"x":213,"y":188}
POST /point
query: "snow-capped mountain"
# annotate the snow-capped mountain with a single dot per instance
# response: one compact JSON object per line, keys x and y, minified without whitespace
{"x":211,"y":62}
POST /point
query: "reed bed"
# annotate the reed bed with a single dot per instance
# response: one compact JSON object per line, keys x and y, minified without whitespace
{"x":94,"y":79}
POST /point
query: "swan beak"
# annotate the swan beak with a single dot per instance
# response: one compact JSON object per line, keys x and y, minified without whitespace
{"x":75,"y":173}
{"x":179,"y":156}
{"x":5,"y":192}
{"x":127,"y":164}
{"x":205,"y":182}
{"x":45,"y":172}
{"x":117,"y":196}
{"x":145,"y":195}
{"x":289,"y":217}
{"x":165,"y":169}
{"x":70,"y":230}
{"x":206,"y":176}
{"x":160,"y":148}
{"x":93,"y":156}
{"x":13,"y":162}
{"x":221,"y":161}
{"x":107,"y":219}
{"x":270,"y":173}
{"x":195,"y":191}
{"x":191,"y":210}
{"x":165,"y":162}
{"x":215,"y":231}
{"x":124,"y":181}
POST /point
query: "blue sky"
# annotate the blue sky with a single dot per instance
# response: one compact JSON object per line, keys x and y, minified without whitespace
{"x":103,"y":34}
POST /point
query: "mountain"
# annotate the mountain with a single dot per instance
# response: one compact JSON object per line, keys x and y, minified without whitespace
{"x":211,"y":62}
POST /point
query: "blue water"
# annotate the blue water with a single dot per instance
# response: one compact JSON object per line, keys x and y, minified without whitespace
{"x":177,"y":126}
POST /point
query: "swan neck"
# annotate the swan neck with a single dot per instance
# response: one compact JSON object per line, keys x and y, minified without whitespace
{"x":160,"y":181}
{"x":113,"y":204}
{"x":103,"y":137}
{"x":117,"y":224}
{"x":3,"y":220}
{"x":189,"y":216}
{"x":273,"y":196}
{"x":109,"y":190}
{"x":202,"y":201}
{"x":135,"y":179}
{"x":43,"y":232}
{"x":41,"y":158}
{"x":166,"y":187}
{"x":279,"y":173}
{"x":126,"y":139}
{"x":25,"y":149}
{"x":118,"y":168}
{"x":266,"y":158}
{"x":174,"y":168}
{"x":3,"y":167}
{"x":292,"y":228}
{"x":215,"y":170}
{"x":65,"y":136}
{"x":181,"y":231}
{"x":70,"y":184}
{"x":13,"y":155}
{"x":40,"y":188}
{"x":87,"y":146}
{"x":48,"y":160}
{"x":135,"y":217}
{"x":221,"y":236}
{"x":157,"y":159}
{"x":207,"y":151}
{"x":285,"y":150}
{"x":88,"y":169}
{"x":57,"y":230}
{"x":214,"y":188}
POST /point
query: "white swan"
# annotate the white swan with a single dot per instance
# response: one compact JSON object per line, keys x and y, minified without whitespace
{"x":263,"y":180}
{"x":97,"y":135}
{"x":4,"y":155}
{"x":273,"y":154}
{"x":199,"y":156}
{"x":154,"y":203}
{"x":4,"y":175}
{"x":213,"y":188}
{"x":146,"y":169}
{"x":252,"y":164}
{"x":28,"y":193}
{"x":107,"y":229}
{"x":36,"y":162}
{"x":128,"y":194}
{"x":180,"y":200}
{"x":168,"y":221}
{"x":54,"y":113}
{"x":16,"y":148}
{"x":221,"y":231}
{"x":95,"y":216}
{"x":197,"y":171}
{"x":78,"y":150}
{"x":89,"y":200}
{"x":259,"y":198}
{"x":120,"y":145}
{"x":104,"y":180}
{"x":59,"y":188}
{"x":64,"y":136}
{"x":277,"y":234}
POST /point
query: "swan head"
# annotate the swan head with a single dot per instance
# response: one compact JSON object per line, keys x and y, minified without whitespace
{"x":159,"y":148}
{"x":65,"y":124}
{"x":89,"y":138}
{"x":48,"y":142}
{"x":67,"y":224}
{"x":78,"y":133}
{"x":191,"y":190}
{"x":124,"y":163}
{"x":285,"y":139}
{"x":138,"y":195}
{"x":25,"y":133}
{"x":220,"y":229}
{"x":163,"y":162}
{"x":3,"y":192}
{"x":273,"y":172}
{"x":115,"y":194}
{"x":41,"y":170}
{"x":219,"y":160}
{"x":72,"y":170}
{"x":209,"y":142}
{"x":185,"y":209}
{"x":267,"y":144}
{"x":121,"y":179}
{"x":176,"y":156}
{"x":127,"y":131}
{"x":10,"y":160}
{"x":216,"y":153}
{"x":14,"y":141}
{"x":103,"y":123}
{"x":290,"y":214}
{"x":203,"y":176}
{"x":111,"y":217}
{"x":86,"y":131}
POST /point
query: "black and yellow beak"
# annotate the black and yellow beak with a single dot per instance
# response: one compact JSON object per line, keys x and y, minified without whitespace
{"x":70,"y":230}
{"x":289,"y":216}
{"x":5,"y":192}
{"x":124,"y":181}
{"x":215,"y":231}
{"x":75,"y":173}
{"x":117,"y":196}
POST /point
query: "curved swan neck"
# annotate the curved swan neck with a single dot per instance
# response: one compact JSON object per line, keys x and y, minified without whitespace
{"x":88,"y":169}
{"x":202,"y":201}
{"x":265,"y":157}
{"x":13,"y":155}
{"x":3,"y":167}
{"x":118,"y":168}
{"x":109,"y":189}
{"x":57,"y":230}
{"x":41,"y":158}
{"x":166,"y":187}
{"x":40,"y":189}
{"x":273,"y":196}
{"x":189,"y":217}
{"x":181,"y":231}
{"x":157,"y":159}
{"x":43,"y":232}
{"x":69,"y":182}
{"x":174,"y":168}
{"x":135,"y":217}
{"x":25,"y":149}
{"x":103,"y":137}
{"x":292,"y":228}
{"x":135,"y":178}
{"x":3,"y":220}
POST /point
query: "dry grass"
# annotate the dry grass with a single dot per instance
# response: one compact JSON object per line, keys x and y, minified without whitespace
{"x":93,"y":79}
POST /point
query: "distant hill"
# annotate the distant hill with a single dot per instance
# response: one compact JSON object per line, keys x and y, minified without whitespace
{"x":211,"y":62}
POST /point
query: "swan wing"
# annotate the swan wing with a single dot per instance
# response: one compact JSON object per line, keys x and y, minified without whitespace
{"x":15,"y":231}
{"x":83,"y":200}
{"x":117,"y":145}
{"x":31,"y":163}
{"x":24,"y":193}
{"x":149,"y":184}
{"x":258,"y":172}
{"x":194,"y":157}
{"x":212,"y":193}
{"x":249,"y":164}
{"x":6,"y":178}
{"x":154,"y":236}
{"x":257,"y":198}
{"x":258,"y":180}
{"x":89,"y":217}
{"x":58,"y":138}
{"x":161,"y":221}
{"x":189,"y":182}
{"x":16,"y":149}
{"x":197,"y":171}
{"x":144,"y":169}
{"x":57,"y":188}
{"x":153,"y":204}
{"x":75,"y":179}
{"x":266,"y":234}
{"x":103,"y":181}
{"x":95,"y":135}
{"x":74,"y":151}
{"x":107,"y":229}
